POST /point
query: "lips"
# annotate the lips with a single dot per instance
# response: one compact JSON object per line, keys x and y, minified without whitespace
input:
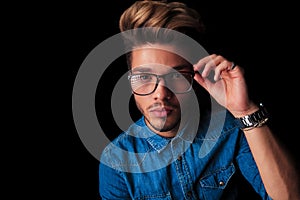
{"x":160,"y":112}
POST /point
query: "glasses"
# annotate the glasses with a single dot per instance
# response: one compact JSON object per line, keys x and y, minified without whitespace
{"x":146,"y":83}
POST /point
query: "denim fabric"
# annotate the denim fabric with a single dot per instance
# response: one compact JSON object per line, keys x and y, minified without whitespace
{"x":199,"y":163}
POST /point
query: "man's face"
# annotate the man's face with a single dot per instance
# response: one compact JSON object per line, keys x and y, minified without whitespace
{"x":162,"y":109}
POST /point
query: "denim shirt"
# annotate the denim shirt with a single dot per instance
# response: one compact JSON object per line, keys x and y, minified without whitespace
{"x":199,"y":163}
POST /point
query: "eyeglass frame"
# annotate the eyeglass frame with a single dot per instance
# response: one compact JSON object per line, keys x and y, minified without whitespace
{"x":159,"y":77}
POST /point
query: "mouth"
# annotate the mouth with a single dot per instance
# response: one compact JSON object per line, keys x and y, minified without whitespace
{"x":160,"y":112}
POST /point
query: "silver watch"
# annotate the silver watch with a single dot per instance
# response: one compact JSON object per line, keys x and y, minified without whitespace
{"x":256,"y":119}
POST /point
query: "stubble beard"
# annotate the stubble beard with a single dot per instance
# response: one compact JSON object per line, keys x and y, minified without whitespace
{"x":161,"y":124}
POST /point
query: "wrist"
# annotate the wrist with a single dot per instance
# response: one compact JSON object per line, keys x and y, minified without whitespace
{"x":255,"y":119}
{"x":250,"y":109}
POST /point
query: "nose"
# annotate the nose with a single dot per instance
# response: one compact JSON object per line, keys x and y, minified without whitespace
{"x":162,"y":91}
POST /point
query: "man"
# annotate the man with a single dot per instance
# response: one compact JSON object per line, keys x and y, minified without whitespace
{"x":177,"y":151}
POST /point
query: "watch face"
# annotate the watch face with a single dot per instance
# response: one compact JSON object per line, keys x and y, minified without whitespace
{"x":247,"y":121}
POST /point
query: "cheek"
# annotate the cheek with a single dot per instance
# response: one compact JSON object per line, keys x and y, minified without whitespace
{"x":141,"y":103}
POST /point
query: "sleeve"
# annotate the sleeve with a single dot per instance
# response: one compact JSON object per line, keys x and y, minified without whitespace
{"x":112,"y":184}
{"x":249,"y":168}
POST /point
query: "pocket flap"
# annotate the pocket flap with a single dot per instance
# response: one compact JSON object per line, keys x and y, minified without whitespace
{"x":219,"y":178}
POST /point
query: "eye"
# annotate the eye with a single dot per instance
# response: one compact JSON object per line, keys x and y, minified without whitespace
{"x":176,"y":75}
{"x":142,"y":78}
{"x":145,"y":77}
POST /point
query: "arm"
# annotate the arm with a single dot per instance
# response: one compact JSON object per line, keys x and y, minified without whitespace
{"x":229,"y":88}
{"x":275,"y":166}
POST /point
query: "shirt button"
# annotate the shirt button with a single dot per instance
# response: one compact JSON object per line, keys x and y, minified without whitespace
{"x":179,"y":158}
{"x":221,"y":183}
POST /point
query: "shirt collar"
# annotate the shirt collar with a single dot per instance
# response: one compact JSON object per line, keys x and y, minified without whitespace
{"x":187,"y":134}
{"x":158,"y":142}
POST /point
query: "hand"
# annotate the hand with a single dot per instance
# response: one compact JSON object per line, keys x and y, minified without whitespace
{"x":228,"y":86}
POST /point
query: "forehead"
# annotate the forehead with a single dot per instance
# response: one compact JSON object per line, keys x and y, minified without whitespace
{"x":149,"y":58}
{"x":161,"y":69}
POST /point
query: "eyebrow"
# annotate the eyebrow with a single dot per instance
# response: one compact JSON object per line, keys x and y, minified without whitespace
{"x":184,"y":66}
{"x":149,"y":69}
{"x":141,"y":69}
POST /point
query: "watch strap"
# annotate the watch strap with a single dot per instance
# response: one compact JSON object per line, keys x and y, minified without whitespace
{"x":256,"y":119}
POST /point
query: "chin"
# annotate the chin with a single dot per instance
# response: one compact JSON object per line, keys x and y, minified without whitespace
{"x":164,"y":125}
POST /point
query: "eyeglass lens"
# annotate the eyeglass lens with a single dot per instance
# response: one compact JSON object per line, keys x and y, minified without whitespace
{"x":146,"y":83}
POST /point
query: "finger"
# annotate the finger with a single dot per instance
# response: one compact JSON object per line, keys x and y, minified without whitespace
{"x":210,"y":67}
{"x":233,"y":65}
{"x":200,"y":79}
{"x":205,"y":83}
{"x":224,"y":65}
{"x":203,"y":66}
{"x":233,"y":73}
{"x":214,"y":67}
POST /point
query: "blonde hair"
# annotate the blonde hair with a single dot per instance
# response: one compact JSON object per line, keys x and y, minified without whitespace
{"x":175,"y":16}
{"x":172,"y":15}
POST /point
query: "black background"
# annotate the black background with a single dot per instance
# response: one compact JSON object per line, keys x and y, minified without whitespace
{"x":260,"y":38}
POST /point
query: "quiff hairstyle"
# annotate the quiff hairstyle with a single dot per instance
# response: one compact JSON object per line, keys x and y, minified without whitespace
{"x":149,"y":13}
{"x":161,"y":14}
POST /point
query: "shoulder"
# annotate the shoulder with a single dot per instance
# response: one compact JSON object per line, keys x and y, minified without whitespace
{"x":127,"y":144}
{"x":133,"y":138}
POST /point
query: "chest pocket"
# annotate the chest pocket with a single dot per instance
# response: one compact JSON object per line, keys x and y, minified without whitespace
{"x":218,"y":179}
{"x":212,"y":185}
